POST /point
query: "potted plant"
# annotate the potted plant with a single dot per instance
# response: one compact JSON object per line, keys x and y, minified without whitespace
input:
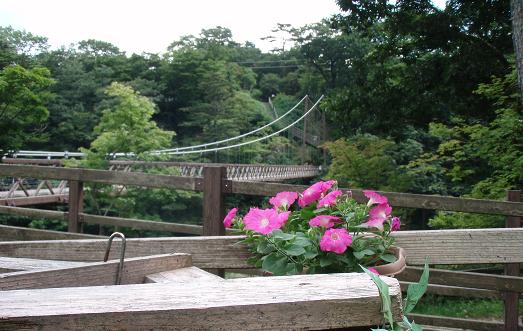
{"x":321,"y":230}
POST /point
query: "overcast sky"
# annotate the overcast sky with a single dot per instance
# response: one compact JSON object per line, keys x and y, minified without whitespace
{"x":150,"y":26}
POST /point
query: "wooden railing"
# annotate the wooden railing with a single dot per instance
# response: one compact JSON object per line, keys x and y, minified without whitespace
{"x":506,"y":245}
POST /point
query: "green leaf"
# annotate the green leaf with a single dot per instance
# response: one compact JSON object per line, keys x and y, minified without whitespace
{"x":360,"y":255}
{"x":416,"y":291}
{"x":294,"y":250}
{"x":279,"y":234}
{"x":264,"y":247}
{"x":410,"y":325}
{"x":303,"y":241}
{"x":389,"y":258}
{"x":326,"y":261}
{"x":275,"y":263}
{"x":310,"y":253}
{"x":383,"y":289}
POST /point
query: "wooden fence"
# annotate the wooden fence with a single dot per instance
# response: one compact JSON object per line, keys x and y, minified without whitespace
{"x":215,"y":186}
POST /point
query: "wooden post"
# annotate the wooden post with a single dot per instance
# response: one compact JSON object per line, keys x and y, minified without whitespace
{"x":76,"y":205}
{"x":213,"y":206}
{"x":512,"y":269}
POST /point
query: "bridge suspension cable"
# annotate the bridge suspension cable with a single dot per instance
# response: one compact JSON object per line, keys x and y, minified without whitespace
{"x":236,"y":137}
{"x":246,"y":142}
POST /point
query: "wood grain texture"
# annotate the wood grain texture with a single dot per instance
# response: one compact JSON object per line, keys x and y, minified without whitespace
{"x":94,"y":274}
{"x":466,"y":246}
{"x":213,"y":204}
{"x":142,"y":224}
{"x":76,"y":205}
{"x":264,"y":303}
{"x":27,"y":201}
{"x":14,"y":233}
{"x":34,"y":213}
{"x":183,"y":276}
{"x":407,"y":200}
{"x":459,"y":323}
{"x":441,"y":247}
{"x":455,"y":291}
{"x":100,"y":176}
{"x":465,"y":279}
{"x":19,"y":264}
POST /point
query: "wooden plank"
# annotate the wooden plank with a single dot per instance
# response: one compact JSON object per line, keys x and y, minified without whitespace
{"x":19,"y":264}
{"x":467,"y":246}
{"x":183,"y":276}
{"x":101,"y":176}
{"x":94,"y":274}
{"x":264,"y":303}
{"x":76,"y":205}
{"x":213,"y":205}
{"x":407,"y":200}
{"x":453,"y":322}
{"x":142,"y":224}
{"x":207,"y":252}
{"x":465,"y":279}
{"x":455,"y":291}
{"x":34,"y":213}
{"x":462,"y":246}
{"x":38,"y":200}
{"x":15,"y":233}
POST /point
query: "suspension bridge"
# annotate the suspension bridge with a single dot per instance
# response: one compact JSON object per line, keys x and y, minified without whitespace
{"x":307,"y":129}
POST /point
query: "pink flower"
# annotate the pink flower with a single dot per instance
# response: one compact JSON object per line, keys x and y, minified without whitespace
{"x":374,"y":271}
{"x":314,"y":192}
{"x":378,"y":215}
{"x":395,"y":224}
{"x":325,"y":221}
{"x":329,"y":199}
{"x":374,"y":198}
{"x":264,"y":221}
{"x":227,"y":221}
{"x":335,"y":240}
{"x":283,"y":200}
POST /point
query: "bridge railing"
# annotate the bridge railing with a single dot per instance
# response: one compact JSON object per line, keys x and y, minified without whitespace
{"x":214,"y":184}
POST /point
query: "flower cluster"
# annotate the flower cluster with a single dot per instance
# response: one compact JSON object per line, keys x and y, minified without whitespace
{"x":321,"y":229}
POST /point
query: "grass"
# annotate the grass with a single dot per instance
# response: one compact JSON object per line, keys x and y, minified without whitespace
{"x":489,"y":309}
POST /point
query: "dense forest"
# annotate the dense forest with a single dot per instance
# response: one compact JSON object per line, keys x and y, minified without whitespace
{"x":417,"y":98}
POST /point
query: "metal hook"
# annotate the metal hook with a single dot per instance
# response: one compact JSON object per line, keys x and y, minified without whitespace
{"x":118,"y":277}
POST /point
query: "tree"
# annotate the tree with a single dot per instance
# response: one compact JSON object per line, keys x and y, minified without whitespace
{"x":23,"y":99}
{"x":517,"y":36}
{"x":126,"y":126}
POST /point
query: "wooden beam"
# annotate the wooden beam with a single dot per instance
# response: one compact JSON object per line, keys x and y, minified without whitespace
{"x":142,"y":224}
{"x":15,"y":233}
{"x":465,"y":279}
{"x":283,"y":303}
{"x":455,"y":291}
{"x":19,"y":264}
{"x":183,"y":276}
{"x":407,"y":200}
{"x":34,"y":213}
{"x":458,"y":323}
{"x":213,"y":206}
{"x":467,"y":246}
{"x":511,"y":300}
{"x":440,"y":246}
{"x":94,"y":274}
{"x":76,"y":205}
{"x":101,"y":176}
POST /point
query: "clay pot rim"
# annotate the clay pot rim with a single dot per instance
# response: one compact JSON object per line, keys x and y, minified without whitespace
{"x":394,"y":268}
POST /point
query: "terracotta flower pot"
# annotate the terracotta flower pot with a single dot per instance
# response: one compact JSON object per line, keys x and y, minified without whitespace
{"x":394,"y":268}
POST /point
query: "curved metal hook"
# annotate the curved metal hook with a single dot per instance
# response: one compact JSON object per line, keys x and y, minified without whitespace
{"x":118,"y":277}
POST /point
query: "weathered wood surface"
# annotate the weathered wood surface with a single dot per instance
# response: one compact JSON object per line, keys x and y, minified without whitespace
{"x":101,"y":176}
{"x":76,"y":205}
{"x":458,"y":323}
{"x":141,"y":224}
{"x":183,"y":275}
{"x":440,"y":246}
{"x":455,"y":291}
{"x":8,"y":233}
{"x":207,"y":252}
{"x":34,"y":213}
{"x":263,"y":303}
{"x":94,"y":274}
{"x":466,"y":246}
{"x":407,"y":200}
{"x":213,"y":204}
{"x":511,"y":308}
{"x":34,"y":200}
{"x":19,"y":264}
{"x":465,"y":279}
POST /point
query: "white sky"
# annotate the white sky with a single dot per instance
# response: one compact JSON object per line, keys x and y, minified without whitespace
{"x":150,"y":26}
